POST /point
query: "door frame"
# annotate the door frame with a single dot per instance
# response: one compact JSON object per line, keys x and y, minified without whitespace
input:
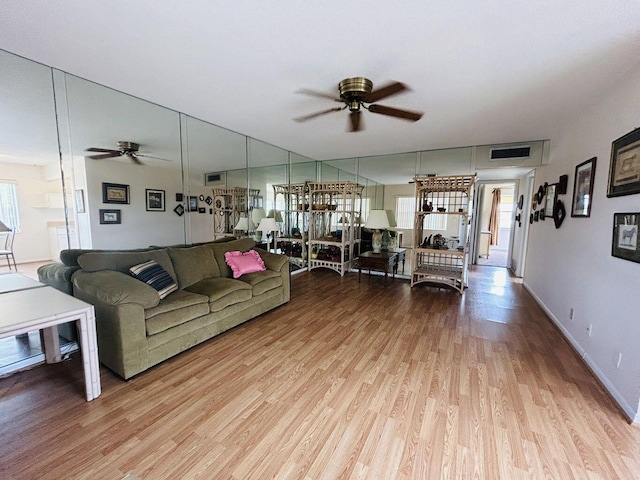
{"x":480,"y":189}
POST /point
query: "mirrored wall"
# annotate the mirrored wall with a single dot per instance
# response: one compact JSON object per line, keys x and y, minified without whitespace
{"x":92,"y":167}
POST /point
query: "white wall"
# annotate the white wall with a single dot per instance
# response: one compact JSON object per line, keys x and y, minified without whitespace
{"x":572,"y":267}
{"x":139,"y":228}
{"x":33,"y":184}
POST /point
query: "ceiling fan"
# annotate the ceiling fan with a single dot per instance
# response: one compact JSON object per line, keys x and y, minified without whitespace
{"x":357,"y":93}
{"x":126,"y":149}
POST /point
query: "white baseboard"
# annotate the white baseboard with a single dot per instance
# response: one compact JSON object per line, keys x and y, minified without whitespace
{"x":628,"y":410}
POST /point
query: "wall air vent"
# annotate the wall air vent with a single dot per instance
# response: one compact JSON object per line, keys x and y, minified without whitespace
{"x":498,"y":154}
{"x":213,"y":178}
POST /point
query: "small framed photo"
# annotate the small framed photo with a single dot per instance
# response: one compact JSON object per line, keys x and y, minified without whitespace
{"x":550,"y":197}
{"x":202,"y":210}
{"x":179,"y":210}
{"x":115,"y":193}
{"x":110,"y":217}
{"x":80,"y":201}
{"x":624,"y":170}
{"x":625,"y":236}
{"x":193,"y":204}
{"x":583,"y":188}
{"x":155,"y":200}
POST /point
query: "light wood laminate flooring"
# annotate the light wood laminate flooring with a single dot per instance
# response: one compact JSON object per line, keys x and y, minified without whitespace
{"x":348,"y":380}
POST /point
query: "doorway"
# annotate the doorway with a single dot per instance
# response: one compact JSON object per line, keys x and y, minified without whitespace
{"x":495,"y":224}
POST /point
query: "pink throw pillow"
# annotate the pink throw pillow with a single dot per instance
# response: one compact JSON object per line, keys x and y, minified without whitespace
{"x":242,"y":263}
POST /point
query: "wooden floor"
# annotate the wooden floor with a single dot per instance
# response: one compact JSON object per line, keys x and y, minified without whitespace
{"x":348,"y":380}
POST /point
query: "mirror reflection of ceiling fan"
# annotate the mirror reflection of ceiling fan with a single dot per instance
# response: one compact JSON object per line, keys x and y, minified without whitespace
{"x":125,"y":149}
{"x":357,"y":93}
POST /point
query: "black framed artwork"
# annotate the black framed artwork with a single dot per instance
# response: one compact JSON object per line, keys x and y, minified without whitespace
{"x":583,"y":188}
{"x":155,"y":200}
{"x":625,"y":243}
{"x":115,"y":193}
{"x":624,"y":170}
{"x":193,"y":204}
{"x":110,"y":217}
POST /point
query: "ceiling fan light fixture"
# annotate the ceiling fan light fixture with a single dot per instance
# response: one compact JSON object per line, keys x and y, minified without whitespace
{"x":128,"y":146}
{"x":354,"y":88}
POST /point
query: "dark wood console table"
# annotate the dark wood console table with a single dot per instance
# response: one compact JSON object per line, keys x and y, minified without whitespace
{"x":378,"y":261}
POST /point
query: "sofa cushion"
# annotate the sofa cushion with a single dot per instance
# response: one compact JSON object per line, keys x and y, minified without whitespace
{"x":242,"y":263}
{"x":263,"y":281}
{"x":155,"y":276}
{"x":193,"y":264}
{"x":222,"y":291}
{"x":122,"y":261}
{"x":219,"y":249}
{"x":176,"y":309}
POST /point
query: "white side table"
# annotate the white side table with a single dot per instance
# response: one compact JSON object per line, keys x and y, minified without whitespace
{"x":22,"y":311}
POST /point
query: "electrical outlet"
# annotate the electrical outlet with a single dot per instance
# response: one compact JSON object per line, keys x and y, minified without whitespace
{"x":619,"y":360}
{"x":571,"y":314}
{"x":590,"y":329}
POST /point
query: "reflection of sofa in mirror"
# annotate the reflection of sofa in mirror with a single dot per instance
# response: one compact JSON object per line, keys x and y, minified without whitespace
{"x":136,"y":329}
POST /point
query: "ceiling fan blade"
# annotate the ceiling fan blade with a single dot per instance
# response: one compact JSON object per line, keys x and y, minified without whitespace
{"x":396,"y":112}
{"x":354,"y":121}
{"x":106,"y":155}
{"x":151,"y":156}
{"x":313,"y":93}
{"x":384,"y":92}
{"x":134,"y":159}
{"x":304,"y":118}
{"x":104,"y":150}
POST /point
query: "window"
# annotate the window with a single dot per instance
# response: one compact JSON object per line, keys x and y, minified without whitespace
{"x":9,"y":205}
{"x":405,"y":212}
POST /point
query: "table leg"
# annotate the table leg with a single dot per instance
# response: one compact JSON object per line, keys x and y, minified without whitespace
{"x":51,"y":344}
{"x":89,"y":350}
{"x":359,"y":272}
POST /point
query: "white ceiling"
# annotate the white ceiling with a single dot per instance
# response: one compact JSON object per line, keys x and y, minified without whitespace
{"x":483,"y":72}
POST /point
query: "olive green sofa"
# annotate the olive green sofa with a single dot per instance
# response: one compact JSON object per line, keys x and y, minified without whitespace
{"x":136,"y":329}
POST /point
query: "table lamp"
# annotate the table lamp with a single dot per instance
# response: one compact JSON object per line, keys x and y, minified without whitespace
{"x":268,"y":225}
{"x":376,"y":221}
{"x":243,"y":225}
{"x":257,"y":214}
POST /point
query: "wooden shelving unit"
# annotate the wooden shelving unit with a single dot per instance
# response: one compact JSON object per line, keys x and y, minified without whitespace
{"x":229,"y":203}
{"x":293,"y":240}
{"x":334,"y":205}
{"x":446,"y":264}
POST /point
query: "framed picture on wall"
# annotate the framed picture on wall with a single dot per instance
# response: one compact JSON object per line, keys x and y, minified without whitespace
{"x":115,"y":193}
{"x":551,"y":195}
{"x":110,"y":217}
{"x":625,"y":242}
{"x":155,"y":200}
{"x":624,"y":171}
{"x":80,"y":201}
{"x":583,"y":188}
{"x":193,"y":204}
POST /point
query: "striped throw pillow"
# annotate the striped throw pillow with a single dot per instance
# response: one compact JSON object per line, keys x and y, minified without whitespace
{"x":155,"y":276}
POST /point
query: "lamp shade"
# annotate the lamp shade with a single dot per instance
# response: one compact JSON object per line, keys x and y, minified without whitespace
{"x":377,"y":220}
{"x":275,"y":214}
{"x":392,"y":219}
{"x":268,"y":224}
{"x":257,"y":214}
{"x":243,"y":224}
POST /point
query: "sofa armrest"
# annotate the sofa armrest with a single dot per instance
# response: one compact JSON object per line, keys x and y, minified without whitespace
{"x":119,"y":301}
{"x":58,"y":276}
{"x":273,"y":261}
{"x":115,"y":288}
